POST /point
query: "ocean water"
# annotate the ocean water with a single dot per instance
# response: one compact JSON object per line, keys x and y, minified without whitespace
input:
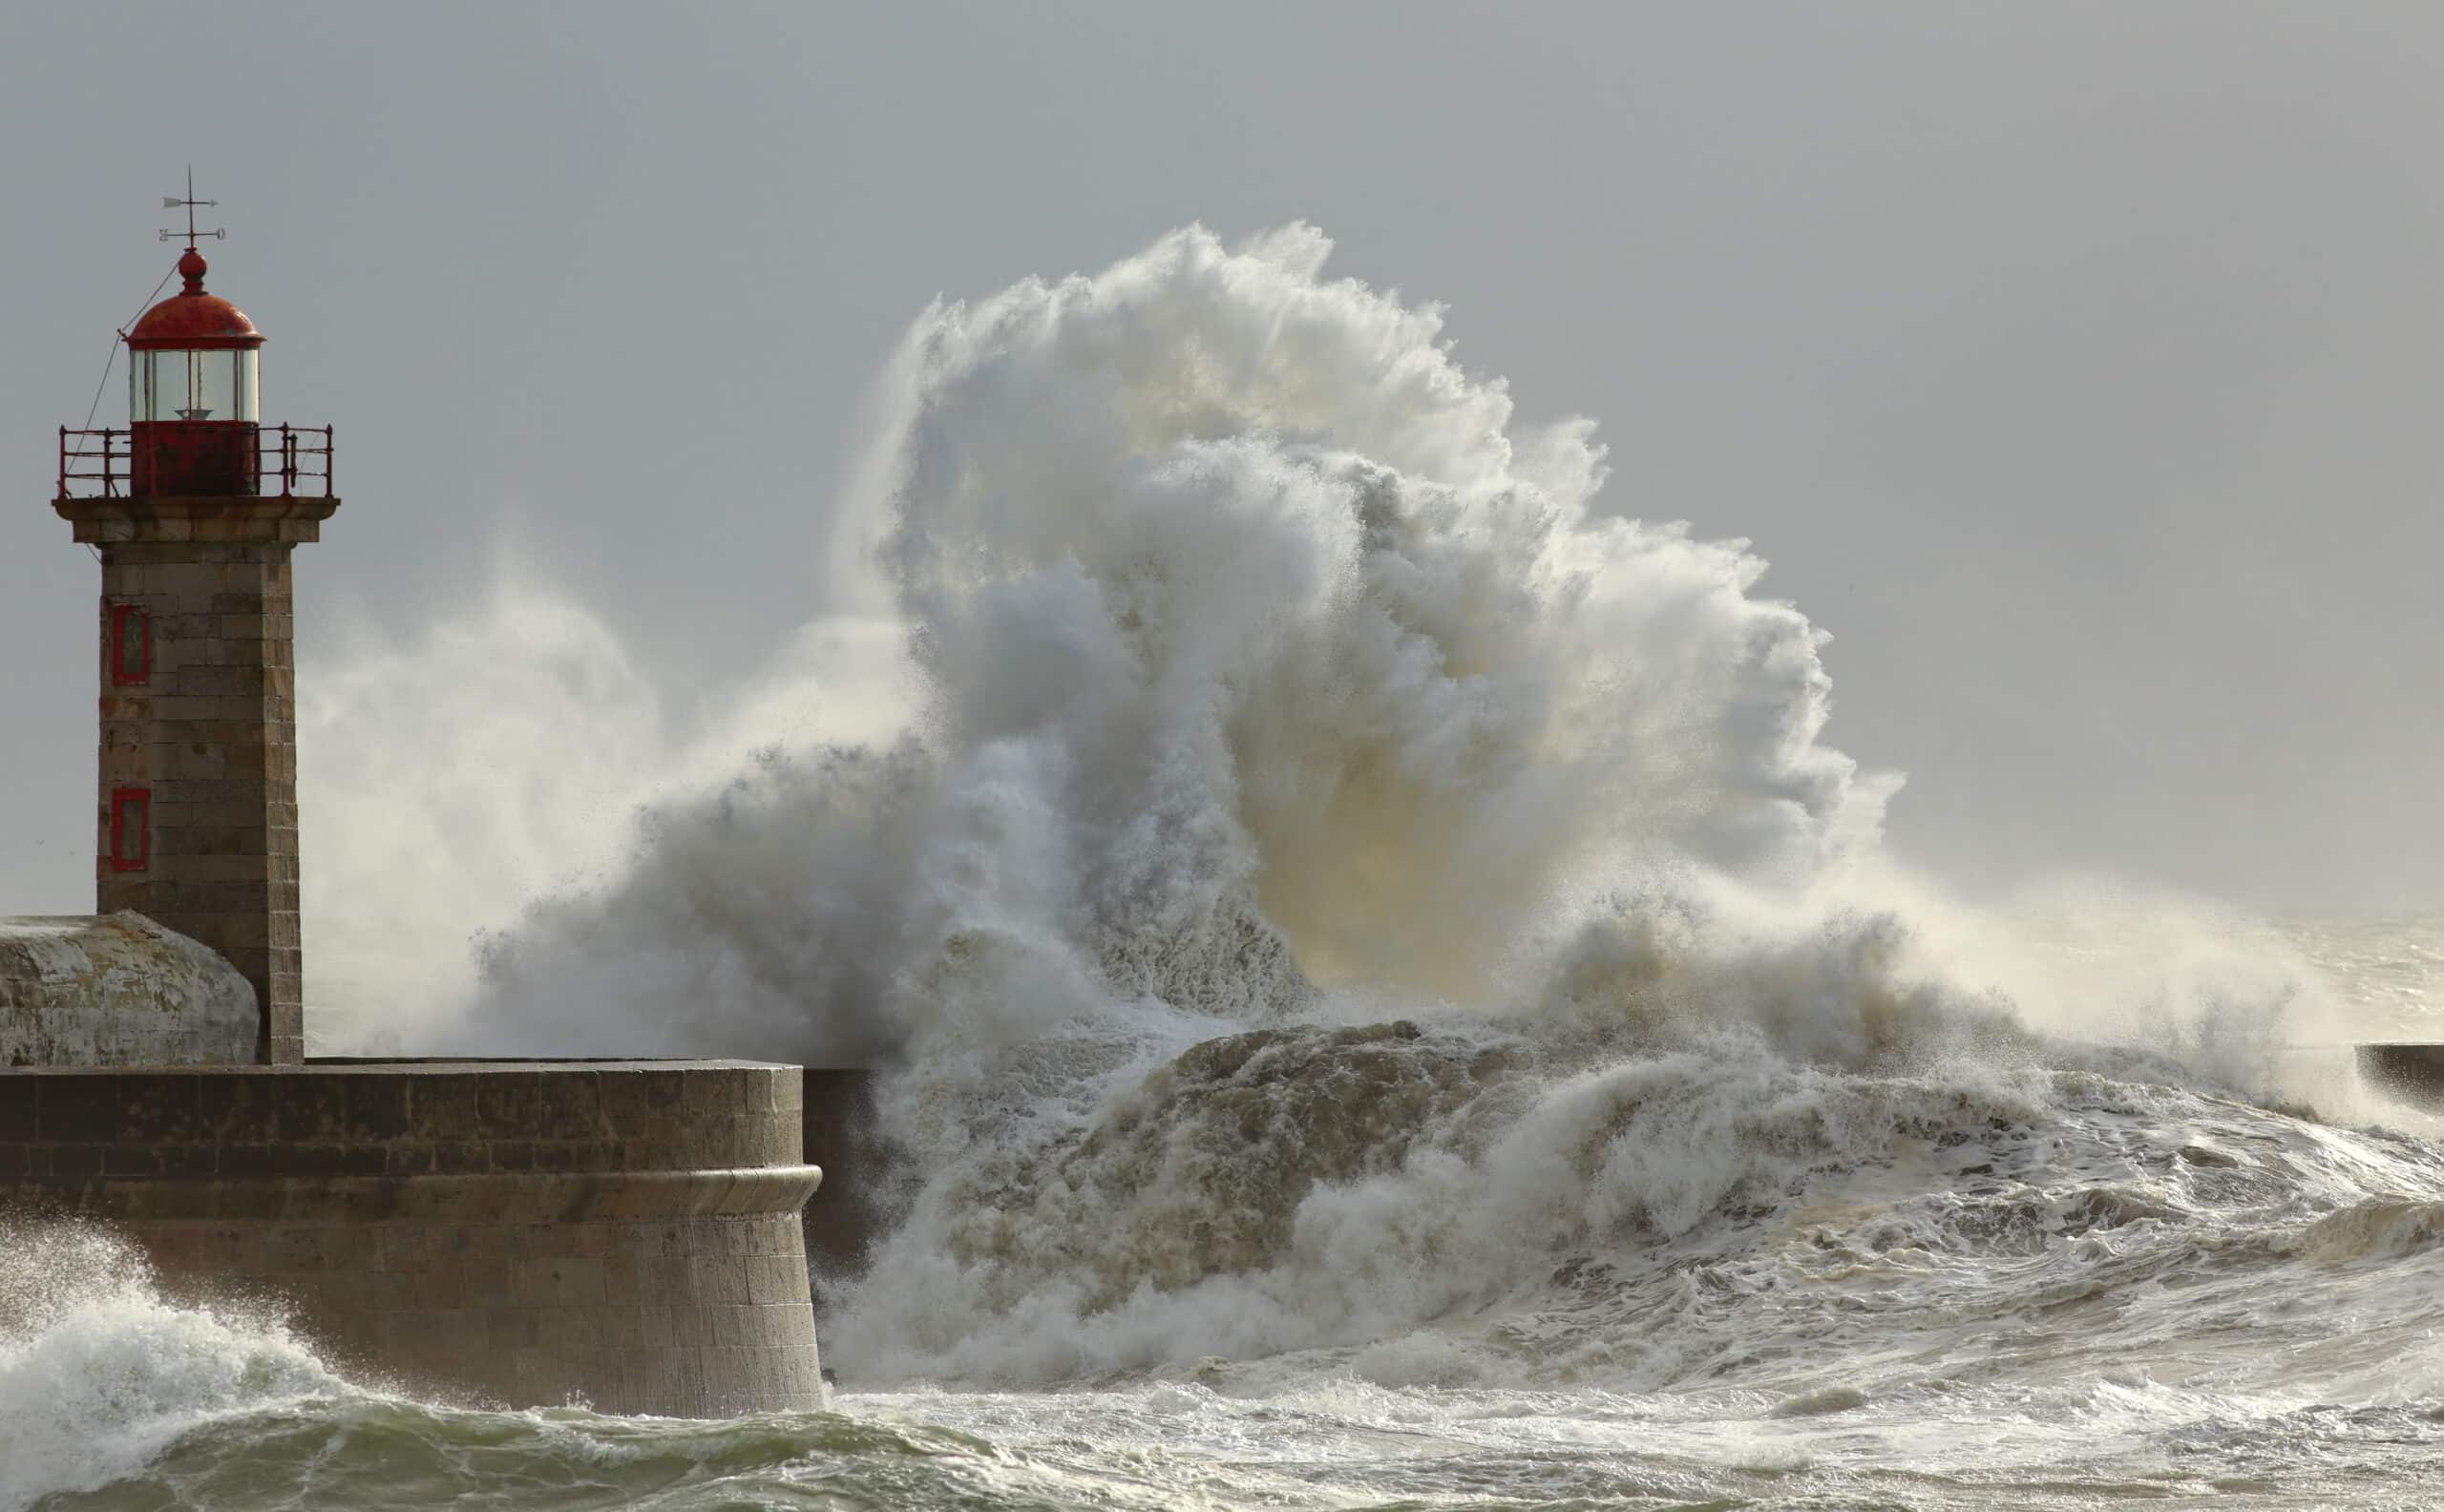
{"x":1390,"y":1003}
{"x":1697,"y":1279}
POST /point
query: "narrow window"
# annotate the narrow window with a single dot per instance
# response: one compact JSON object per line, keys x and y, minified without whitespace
{"x":130,"y":645}
{"x":131,"y":828}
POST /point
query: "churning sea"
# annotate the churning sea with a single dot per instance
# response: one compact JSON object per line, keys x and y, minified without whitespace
{"x":1959,"y":1287}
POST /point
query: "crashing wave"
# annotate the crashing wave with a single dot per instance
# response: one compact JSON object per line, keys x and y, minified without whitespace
{"x":1330,"y":874}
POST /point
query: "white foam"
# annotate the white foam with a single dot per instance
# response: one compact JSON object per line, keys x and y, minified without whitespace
{"x":98,"y":1373}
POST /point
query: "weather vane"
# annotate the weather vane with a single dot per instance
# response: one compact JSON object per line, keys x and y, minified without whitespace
{"x":172,"y":202}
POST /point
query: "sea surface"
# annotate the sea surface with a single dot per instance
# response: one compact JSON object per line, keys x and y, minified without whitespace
{"x":1392,"y":1001}
{"x":2028,"y":1288}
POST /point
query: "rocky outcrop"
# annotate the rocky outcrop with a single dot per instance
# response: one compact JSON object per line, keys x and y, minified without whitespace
{"x":118,"y":989}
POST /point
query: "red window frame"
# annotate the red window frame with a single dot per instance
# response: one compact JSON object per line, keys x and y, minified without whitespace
{"x":131,"y":828}
{"x":130,"y":622}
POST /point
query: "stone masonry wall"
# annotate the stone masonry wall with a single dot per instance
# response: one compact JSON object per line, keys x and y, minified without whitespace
{"x":674,"y":1313}
{"x":523,"y":1234}
{"x":201,"y":718}
{"x":212,"y":737}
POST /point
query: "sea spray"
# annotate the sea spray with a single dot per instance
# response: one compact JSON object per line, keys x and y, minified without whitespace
{"x":1320,"y":873}
{"x":99,"y":1373}
{"x":1260,"y":649}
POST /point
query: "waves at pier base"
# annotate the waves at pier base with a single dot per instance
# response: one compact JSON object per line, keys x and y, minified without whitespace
{"x":100,"y":1373}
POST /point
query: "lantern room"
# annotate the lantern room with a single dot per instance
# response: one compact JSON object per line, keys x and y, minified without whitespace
{"x":193,"y":357}
{"x":194,"y":398}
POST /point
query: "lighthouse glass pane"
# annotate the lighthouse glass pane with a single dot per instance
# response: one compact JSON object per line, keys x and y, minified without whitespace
{"x":161,"y":385}
{"x":167,"y":393}
{"x":193,"y":386}
{"x":212,"y":385}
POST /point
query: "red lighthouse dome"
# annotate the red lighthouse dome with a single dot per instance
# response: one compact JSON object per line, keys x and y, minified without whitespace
{"x":194,"y":319}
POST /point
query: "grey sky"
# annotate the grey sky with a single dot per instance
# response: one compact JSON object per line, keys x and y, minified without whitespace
{"x":2074,"y":364}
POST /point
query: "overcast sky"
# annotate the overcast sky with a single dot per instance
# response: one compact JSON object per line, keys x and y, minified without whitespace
{"x":2076,"y":365}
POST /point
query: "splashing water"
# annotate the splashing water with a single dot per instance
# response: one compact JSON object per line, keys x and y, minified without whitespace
{"x":1371,"y":948}
{"x":98,"y":1373}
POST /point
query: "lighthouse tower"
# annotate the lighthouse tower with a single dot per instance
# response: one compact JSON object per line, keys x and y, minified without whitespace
{"x":518,"y":1231}
{"x":194,"y":508}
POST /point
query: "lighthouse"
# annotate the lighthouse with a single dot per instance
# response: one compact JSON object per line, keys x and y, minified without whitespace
{"x":194,"y":508}
{"x":508,"y":1232}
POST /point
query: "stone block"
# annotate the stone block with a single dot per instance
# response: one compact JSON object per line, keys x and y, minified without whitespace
{"x":184,"y":707}
{"x":236,"y":679}
{"x":532,"y":1282}
{"x":486,"y":1280}
{"x":578,"y":1282}
{"x":257,"y":872}
{"x":200,"y":837}
{"x":776,"y":1278}
{"x":568,"y":1105}
{"x":717,"y":1278}
{"x":408,"y":1247}
{"x":230,"y":931}
{"x":444,"y":1104}
{"x":509,"y":1100}
{"x":514,"y":1328}
{"x":709,"y":1090}
{"x":253,"y":961}
{"x":161,"y":1110}
{"x":632,"y":1093}
{"x":19,"y":1120}
{"x":376,"y":1110}
{"x":78,"y":1108}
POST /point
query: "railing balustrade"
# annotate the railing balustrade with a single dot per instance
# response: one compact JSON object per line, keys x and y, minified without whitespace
{"x":99,"y":464}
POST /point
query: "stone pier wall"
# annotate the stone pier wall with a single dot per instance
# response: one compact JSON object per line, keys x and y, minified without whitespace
{"x":622,"y":1233}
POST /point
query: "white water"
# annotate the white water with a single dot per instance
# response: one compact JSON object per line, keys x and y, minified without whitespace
{"x":1376,"y":953}
{"x":99,"y":1374}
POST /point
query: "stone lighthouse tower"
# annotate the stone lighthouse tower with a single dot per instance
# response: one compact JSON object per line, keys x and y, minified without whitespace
{"x":195,"y":507}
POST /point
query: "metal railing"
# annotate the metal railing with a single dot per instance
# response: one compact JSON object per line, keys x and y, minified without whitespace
{"x":300,"y":460}
{"x":100,"y":464}
{"x":94,"y":464}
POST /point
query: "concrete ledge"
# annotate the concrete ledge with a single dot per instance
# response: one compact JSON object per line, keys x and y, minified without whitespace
{"x":537,"y":1197}
{"x":345,"y":1118}
{"x":201,"y":519}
